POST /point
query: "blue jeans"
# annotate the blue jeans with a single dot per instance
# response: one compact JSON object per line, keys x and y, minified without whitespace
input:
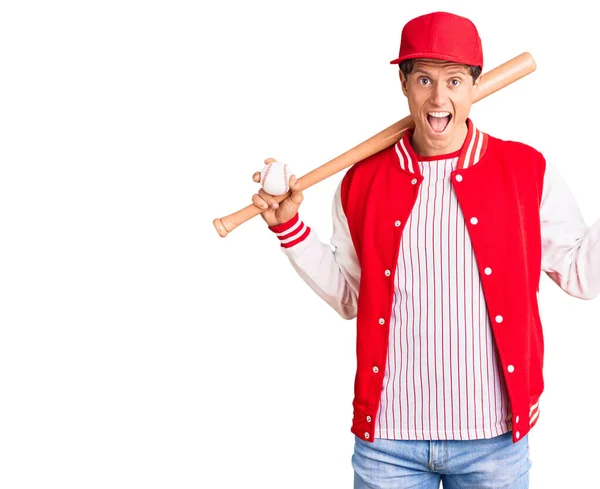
{"x":492,"y":463}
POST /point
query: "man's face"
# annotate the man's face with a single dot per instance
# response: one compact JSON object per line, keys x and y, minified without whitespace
{"x":440,"y":94}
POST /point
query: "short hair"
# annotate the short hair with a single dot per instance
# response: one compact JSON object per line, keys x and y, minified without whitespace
{"x":407,"y":65}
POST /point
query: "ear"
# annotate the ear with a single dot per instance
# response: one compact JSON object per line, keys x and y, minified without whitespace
{"x":403,"y":83}
{"x":478,"y":81}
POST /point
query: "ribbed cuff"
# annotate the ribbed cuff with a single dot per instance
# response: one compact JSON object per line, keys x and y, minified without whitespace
{"x":292,"y":232}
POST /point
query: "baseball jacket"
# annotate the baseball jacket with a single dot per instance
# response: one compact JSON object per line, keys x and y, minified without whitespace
{"x":527,"y":221}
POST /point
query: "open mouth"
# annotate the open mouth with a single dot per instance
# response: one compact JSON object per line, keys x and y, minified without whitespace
{"x":438,"y":121}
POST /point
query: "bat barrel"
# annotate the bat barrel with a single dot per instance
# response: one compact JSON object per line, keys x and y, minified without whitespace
{"x":505,"y":74}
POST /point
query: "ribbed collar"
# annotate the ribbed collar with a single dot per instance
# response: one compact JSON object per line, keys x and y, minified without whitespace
{"x":471,"y":152}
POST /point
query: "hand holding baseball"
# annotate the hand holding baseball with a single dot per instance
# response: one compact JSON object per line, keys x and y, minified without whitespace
{"x":277,"y":213}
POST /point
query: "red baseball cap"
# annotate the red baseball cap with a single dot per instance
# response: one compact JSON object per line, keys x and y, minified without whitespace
{"x":441,"y":35}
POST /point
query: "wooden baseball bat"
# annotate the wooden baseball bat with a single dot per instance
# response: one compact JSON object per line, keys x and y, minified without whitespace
{"x":494,"y":80}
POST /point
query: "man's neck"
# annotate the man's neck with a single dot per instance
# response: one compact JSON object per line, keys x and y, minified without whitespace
{"x":421,"y":148}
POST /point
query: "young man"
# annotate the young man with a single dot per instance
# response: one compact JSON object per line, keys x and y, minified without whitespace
{"x":438,"y":247}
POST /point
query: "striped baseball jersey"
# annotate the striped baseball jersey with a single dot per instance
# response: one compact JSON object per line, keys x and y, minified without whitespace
{"x":442,"y":378}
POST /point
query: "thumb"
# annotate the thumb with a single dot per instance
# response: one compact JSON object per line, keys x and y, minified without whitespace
{"x":296,"y":197}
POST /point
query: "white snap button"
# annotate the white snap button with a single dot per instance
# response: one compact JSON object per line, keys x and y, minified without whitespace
{"x":499,"y":319}
{"x":488,"y":271}
{"x":517,"y":420}
{"x":367,"y":436}
{"x":381,"y":321}
{"x":375,"y":369}
{"x":511,"y":368}
{"x":459,"y":178}
{"x":397,"y":224}
{"x":368,"y":419}
{"x":387,"y":273}
{"x":518,"y":434}
{"x":413,"y":181}
{"x":474,"y":220}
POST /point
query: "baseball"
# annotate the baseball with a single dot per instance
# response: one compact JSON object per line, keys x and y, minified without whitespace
{"x":275,"y":178}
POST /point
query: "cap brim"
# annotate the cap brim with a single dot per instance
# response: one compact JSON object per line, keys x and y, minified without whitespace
{"x":442,"y":57}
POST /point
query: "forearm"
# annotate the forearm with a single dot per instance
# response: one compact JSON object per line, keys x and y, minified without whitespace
{"x":570,"y":249}
{"x":332,"y":274}
{"x":577,"y":270}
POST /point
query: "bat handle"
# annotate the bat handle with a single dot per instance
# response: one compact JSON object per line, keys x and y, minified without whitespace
{"x":220,"y":227}
{"x":225,"y":225}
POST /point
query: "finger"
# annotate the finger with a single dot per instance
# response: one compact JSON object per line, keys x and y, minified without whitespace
{"x":268,"y":198}
{"x":296,"y":197}
{"x":256,"y":176}
{"x":257,"y":201}
{"x":294,"y":184}
{"x":269,"y":160}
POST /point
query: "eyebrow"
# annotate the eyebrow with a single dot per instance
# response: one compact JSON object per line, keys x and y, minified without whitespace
{"x":421,"y":70}
{"x":456,"y":71}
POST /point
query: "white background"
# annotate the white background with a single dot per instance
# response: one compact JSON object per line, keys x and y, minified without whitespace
{"x":138,"y":349}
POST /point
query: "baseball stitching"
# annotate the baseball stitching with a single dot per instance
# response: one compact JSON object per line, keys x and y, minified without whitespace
{"x":265,"y":174}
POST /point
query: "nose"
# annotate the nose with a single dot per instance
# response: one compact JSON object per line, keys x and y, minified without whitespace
{"x":438,"y":95}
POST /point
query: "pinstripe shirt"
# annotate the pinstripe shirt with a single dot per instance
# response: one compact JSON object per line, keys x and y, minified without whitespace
{"x":442,"y":377}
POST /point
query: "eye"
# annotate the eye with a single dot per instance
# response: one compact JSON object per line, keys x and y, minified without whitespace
{"x":424,"y":81}
{"x":455,"y":82}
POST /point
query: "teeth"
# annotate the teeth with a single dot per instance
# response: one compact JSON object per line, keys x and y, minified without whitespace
{"x":439,"y":114}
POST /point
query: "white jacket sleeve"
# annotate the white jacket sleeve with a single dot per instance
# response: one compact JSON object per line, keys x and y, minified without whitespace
{"x":570,"y":248}
{"x":332,"y":271}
